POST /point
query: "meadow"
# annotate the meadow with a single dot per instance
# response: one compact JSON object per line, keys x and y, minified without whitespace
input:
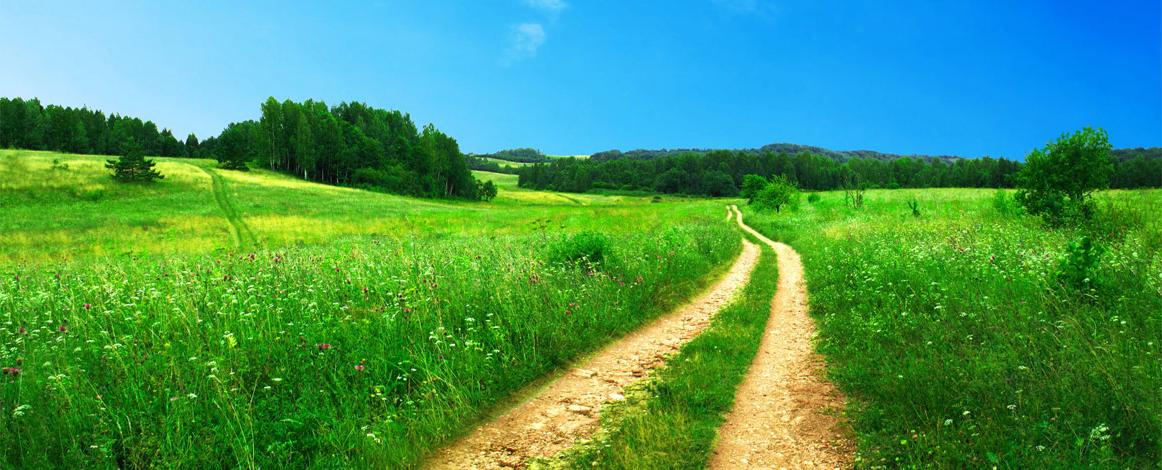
{"x":968,"y":336}
{"x":226,"y":319}
{"x":250,"y":319}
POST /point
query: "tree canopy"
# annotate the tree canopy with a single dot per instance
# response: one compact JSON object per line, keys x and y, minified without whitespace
{"x":1057,"y":181}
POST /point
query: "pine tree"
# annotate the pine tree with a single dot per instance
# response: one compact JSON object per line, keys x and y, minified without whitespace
{"x":132,"y":167}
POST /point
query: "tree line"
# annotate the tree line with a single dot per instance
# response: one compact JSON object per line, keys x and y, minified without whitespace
{"x":349,"y":144}
{"x":27,"y":124}
{"x":721,"y":172}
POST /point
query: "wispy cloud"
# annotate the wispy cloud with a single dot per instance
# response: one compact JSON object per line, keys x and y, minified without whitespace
{"x":548,"y":6}
{"x":525,"y":39}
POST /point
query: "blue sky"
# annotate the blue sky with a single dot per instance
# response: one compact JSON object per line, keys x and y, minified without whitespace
{"x":571,"y":77}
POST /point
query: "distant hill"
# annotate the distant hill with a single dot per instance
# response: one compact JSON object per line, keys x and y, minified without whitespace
{"x":837,"y":155}
{"x":1130,"y":154}
{"x":519,"y":155}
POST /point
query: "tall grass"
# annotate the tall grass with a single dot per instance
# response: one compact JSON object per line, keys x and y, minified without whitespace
{"x":368,"y":352}
{"x":960,"y":346}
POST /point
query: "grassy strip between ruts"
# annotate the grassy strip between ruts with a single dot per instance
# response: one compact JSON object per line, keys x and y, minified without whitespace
{"x":672,"y":420}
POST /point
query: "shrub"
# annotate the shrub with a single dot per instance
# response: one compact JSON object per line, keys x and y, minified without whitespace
{"x":486,"y":190}
{"x":813,"y":198}
{"x":777,"y":193}
{"x":751,"y":185}
{"x":237,"y":165}
{"x":1004,"y":203}
{"x":588,"y":247}
{"x":1057,"y":181}
{"x":1077,"y":269}
{"x":853,"y":195}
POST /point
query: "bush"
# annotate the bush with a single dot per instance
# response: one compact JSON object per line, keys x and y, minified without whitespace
{"x":915,"y":206}
{"x":486,"y":190}
{"x":1057,"y":181}
{"x":776,"y":194}
{"x":1004,"y":203}
{"x":1077,"y":270}
{"x":751,"y":185}
{"x":587,"y":247}
{"x":237,"y":165}
{"x":813,"y":198}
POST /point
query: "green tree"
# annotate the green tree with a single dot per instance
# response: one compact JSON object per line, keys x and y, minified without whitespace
{"x":751,"y":185}
{"x":486,"y":190}
{"x":132,"y":167}
{"x":717,"y":184}
{"x":1057,"y":181}
{"x":778,"y":193}
{"x":192,"y":146}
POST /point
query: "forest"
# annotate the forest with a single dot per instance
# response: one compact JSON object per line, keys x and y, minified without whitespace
{"x":720,"y":172}
{"x":350,"y":144}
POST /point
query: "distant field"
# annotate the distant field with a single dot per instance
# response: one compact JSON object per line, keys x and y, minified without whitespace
{"x":512,"y":164}
{"x":79,"y":211}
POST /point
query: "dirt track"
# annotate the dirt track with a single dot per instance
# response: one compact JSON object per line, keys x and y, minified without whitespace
{"x":785,"y":411}
{"x":568,"y":408}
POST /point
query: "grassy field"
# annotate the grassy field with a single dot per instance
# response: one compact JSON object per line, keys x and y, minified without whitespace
{"x":77,"y":212}
{"x":959,"y":342}
{"x":223,"y":319}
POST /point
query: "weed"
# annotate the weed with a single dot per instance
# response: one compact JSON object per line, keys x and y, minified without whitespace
{"x":915,"y":206}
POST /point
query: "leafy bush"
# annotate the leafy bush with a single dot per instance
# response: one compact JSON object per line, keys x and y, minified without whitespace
{"x":1056,"y":182}
{"x":1004,"y":203}
{"x":813,"y":198}
{"x":751,"y":185}
{"x":237,"y":165}
{"x":486,"y":190}
{"x":777,"y":193}
{"x":588,"y":247}
{"x":1077,"y":269}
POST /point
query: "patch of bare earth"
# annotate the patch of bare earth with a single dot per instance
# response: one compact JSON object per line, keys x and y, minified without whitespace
{"x":786,"y":414}
{"x":569,"y":408}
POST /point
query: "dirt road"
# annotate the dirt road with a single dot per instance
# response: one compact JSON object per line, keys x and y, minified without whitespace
{"x":568,"y":408}
{"x":785,"y":411}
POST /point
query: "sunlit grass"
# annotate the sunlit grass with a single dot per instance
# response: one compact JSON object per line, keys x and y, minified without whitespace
{"x":959,"y":347}
{"x":364,"y":330}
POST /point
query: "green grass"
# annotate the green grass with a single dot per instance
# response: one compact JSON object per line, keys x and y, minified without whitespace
{"x":363,"y":330}
{"x":80,"y":212}
{"x":672,"y":420}
{"x":956,"y":343}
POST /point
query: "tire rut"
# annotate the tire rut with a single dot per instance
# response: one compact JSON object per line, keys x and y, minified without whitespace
{"x":568,"y":408}
{"x":243,"y":236}
{"x":785,"y":411}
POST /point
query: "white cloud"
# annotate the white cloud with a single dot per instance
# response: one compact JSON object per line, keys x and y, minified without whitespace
{"x":526,"y":38}
{"x":549,"y":6}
